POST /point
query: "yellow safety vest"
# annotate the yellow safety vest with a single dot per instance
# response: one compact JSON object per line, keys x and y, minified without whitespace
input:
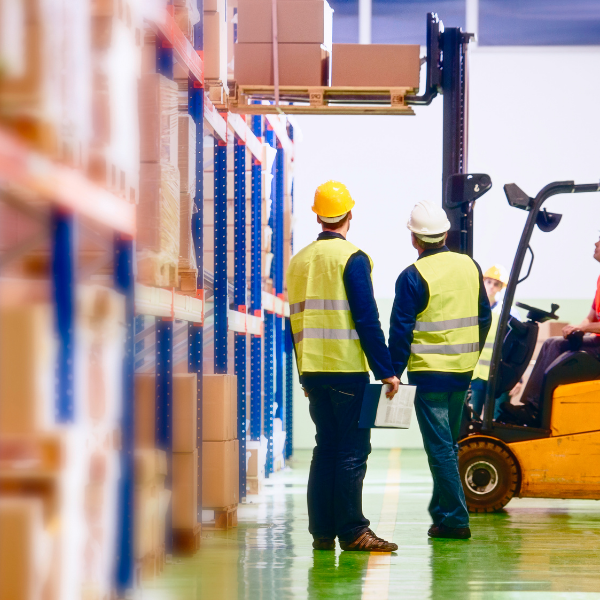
{"x":446,"y":334}
{"x":322,"y":327}
{"x":482,"y":370}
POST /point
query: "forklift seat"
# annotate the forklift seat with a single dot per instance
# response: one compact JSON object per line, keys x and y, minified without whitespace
{"x":517,"y":350}
{"x":568,"y":368}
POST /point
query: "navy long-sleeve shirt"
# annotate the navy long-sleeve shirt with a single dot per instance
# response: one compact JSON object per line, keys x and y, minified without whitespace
{"x":359,"y":290}
{"x":412,"y":297}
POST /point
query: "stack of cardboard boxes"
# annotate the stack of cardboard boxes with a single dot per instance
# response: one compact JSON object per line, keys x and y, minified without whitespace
{"x":220,"y":447}
{"x":215,"y":49}
{"x":187,"y":172}
{"x":304,"y":30}
{"x":116,"y":52}
{"x":57,"y":483}
{"x":186,"y":16}
{"x":151,"y":497}
{"x":186,"y":526}
{"x":158,"y":218}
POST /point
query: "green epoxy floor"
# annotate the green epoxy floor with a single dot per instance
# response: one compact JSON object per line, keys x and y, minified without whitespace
{"x":536,"y":549}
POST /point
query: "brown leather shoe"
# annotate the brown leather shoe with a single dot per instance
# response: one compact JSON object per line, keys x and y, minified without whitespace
{"x":323,"y":543}
{"x":367,"y":541}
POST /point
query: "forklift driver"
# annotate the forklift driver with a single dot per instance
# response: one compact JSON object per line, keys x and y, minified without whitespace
{"x":589,"y":329}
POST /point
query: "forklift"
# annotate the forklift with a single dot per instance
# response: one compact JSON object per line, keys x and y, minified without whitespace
{"x":558,"y":456}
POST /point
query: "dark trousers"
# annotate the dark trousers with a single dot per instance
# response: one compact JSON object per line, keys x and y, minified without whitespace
{"x":339,"y":462}
{"x":439,"y":415}
{"x":551,"y":350}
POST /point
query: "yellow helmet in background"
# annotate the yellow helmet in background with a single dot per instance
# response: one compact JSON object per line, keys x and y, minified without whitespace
{"x":499,"y":273}
{"x":332,"y":201}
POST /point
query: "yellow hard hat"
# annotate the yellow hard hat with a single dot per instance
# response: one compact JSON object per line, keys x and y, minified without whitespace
{"x":499,"y":273}
{"x":332,"y":199}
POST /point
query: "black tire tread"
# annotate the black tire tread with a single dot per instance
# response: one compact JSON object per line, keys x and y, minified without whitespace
{"x":487,"y":446}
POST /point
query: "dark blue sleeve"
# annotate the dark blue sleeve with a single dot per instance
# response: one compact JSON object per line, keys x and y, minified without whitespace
{"x":412,"y":296}
{"x":359,"y":289}
{"x":485,"y":312}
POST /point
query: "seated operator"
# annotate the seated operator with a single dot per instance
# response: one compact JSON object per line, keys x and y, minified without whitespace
{"x":551,"y":350}
{"x":495,"y":279}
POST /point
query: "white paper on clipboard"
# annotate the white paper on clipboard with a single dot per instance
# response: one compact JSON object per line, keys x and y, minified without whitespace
{"x":396,"y":412}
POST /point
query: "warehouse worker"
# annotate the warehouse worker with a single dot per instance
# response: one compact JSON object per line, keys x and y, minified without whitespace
{"x":495,"y":279}
{"x":337,"y":338}
{"x":440,"y":319}
{"x":529,"y":412}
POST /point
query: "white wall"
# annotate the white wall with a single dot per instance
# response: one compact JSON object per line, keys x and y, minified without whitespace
{"x":534,"y":118}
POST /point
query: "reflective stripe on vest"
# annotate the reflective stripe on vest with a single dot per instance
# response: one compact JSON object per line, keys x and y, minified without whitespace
{"x":322,"y":327}
{"x":446,"y":333}
{"x":482,"y":370}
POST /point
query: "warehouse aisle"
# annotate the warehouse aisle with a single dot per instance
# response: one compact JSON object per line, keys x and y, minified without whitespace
{"x":537,"y":549}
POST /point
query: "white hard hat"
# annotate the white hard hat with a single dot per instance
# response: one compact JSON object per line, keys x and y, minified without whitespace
{"x":428,"y":221}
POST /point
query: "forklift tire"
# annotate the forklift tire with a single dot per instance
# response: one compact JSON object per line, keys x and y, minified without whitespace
{"x":489,"y":473}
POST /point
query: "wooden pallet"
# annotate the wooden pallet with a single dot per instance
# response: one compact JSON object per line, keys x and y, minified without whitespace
{"x":186,"y":542}
{"x":225,"y":518}
{"x":322,"y":100}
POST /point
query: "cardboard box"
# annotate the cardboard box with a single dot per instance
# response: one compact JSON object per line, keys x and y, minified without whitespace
{"x":185,"y":412}
{"x":375,"y":65}
{"x":146,"y":519}
{"x":27,"y":368}
{"x":145,"y":410}
{"x":185,"y":489}
{"x":215,"y":46}
{"x":150,"y":466}
{"x":306,"y":22}
{"x":23,"y":549}
{"x":299,"y":64}
{"x":158,"y":211}
{"x":220,"y":474}
{"x":550,"y":329}
{"x":158,"y":111}
{"x":187,"y":249}
{"x":219,"y":406}
{"x":187,"y":154}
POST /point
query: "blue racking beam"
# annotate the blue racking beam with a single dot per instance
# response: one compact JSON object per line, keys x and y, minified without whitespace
{"x":239,"y":215}
{"x":256,"y":290}
{"x":125,"y":283}
{"x":196,"y":331}
{"x":164,"y":408}
{"x":63,"y":280}
{"x":220,"y":277}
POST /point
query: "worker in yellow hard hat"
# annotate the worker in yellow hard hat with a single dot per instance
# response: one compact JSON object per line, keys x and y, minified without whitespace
{"x":495,"y":279}
{"x":338,"y":339}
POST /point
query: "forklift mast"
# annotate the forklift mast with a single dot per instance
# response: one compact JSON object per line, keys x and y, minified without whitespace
{"x":447,"y":74}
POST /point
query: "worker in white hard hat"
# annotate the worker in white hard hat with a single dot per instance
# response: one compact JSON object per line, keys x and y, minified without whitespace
{"x":439,"y":323}
{"x":495,"y":280}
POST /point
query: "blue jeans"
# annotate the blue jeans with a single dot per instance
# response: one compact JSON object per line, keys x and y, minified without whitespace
{"x":439,"y":415}
{"x":478,"y":391}
{"x":339,"y":462}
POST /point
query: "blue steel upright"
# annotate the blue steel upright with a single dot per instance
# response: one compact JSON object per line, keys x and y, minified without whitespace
{"x":289,"y":350}
{"x":125,"y":283}
{"x":268,"y":408}
{"x":195,"y":330}
{"x":164,"y":408}
{"x":239,"y":287}
{"x":256,"y":290}
{"x":221,"y":306}
{"x":63,"y":290}
{"x":278,"y":235}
